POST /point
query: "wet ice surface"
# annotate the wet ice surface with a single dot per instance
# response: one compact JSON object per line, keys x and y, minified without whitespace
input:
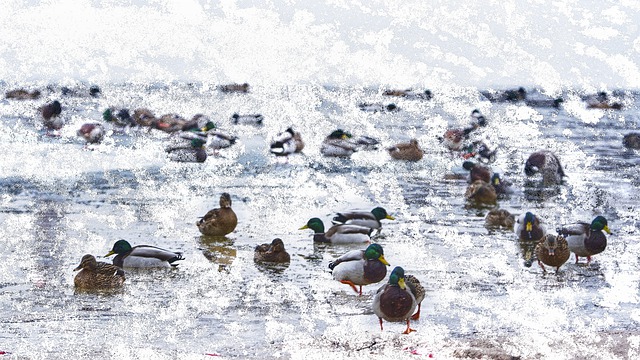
{"x":60,"y":201}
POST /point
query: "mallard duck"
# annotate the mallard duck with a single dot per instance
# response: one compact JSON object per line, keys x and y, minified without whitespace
{"x":221,"y":221}
{"x":417,"y":290}
{"x":287,"y":143}
{"x":338,"y":234}
{"x":21,"y":94}
{"x":395,"y":301}
{"x":199,"y":122}
{"x":481,"y":193}
{"x":552,"y":250}
{"x":409,"y":94}
{"x":529,"y":228}
{"x":480,"y":150}
{"x":547,"y":164}
{"x":502,"y":186}
{"x":92,"y":133}
{"x":360,"y":267}
{"x":511,"y":95}
{"x":121,"y":118}
{"x":584,"y":239}
{"x":193,"y":151}
{"x":337,"y":144}
{"x":602,"y":101}
{"x":169,"y":123}
{"x":406,"y":151}
{"x":51,"y":115}
{"x":363,"y":218}
{"x":477,"y":172}
{"x":545,"y":103}
{"x":631,"y":141}
{"x":374,"y":108}
{"x":271,"y":253}
{"x":251,"y":119}
{"x":234,"y":88}
{"x":142,"y":256}
{"x":499,"y":218}
{"x":97,"y":275}
{"x":144,"y":117}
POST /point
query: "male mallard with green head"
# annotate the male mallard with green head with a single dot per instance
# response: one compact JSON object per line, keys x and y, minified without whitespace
{"x":96,"y":275}
{"x":338,"y":234}
{"x":584,"y":239}
{"x":363,"y":218}
{"x":220,"y":221}
{"x":552,"y":250}
{"x":360,"y":267}
{"x":394,"y":301}
{"x":529,"y":228}
{"x":338,"y":144}
{"x":271,"y":253}
{"x":142,"y":256}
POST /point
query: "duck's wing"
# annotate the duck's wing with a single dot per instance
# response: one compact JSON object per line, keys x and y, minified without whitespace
{"x":211,"y":215}
{"x":108,"y":269}
{"x":354,"y":255}
{"x":343,"y":217}
{"x":580,"y":228}
{"x":149,"y":251}
{"x":347,"y":229}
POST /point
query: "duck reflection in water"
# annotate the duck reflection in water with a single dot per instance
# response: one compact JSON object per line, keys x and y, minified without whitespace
{"x":219,"y":250}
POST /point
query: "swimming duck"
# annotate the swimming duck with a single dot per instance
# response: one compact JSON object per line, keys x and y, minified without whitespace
{"x":480,"y":150}
{"x":417,"y":290}
{"x":337,"y":144}
{"x":546,"y":163}
{"x":552,"y":250}
{"x":251,"y":119}
{"x":481,"y":193}
{"x":477,"y":172}
{"x":511,"y":95}
{"x":502,"y":186}
{"x":271,"y":253}
{"x":92,"y":133}
{"x":51,"y":115}
{"x":220,"y":221}
{"x":374,"y":108}
{"x":584,"y":239}
{"x":338,"y":234}
{"x":499,"y":218}
{"x":394,"y":301}
{"x":545,"y":103}
{"x":406,"y":151}
{"x":142,"y":256}
{"x":234,"y":88}
{"x":193,"y":151}
{"x":360,"y":267}
{"x":632,"y":141}
{"x":529,"y":228}
{"x":477,"y":119}
{"x":602,"y":101}
{"x":95,"y":275}
{"x":286,"y":143}
{"x":363,"y":218}
{"x":22,"y":94}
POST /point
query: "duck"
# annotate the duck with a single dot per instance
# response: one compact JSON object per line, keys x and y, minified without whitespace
{"x":363,"y":218}
{"x":142,"y":256}
{"x":144,"y":117}
{"x":199,"y":123}
{"x":271,"y":253}
{"x":546,"y":163}
{"x":510,"y":95}
{"x":51,"y":115}
{"x":286,"y":143}
{"x":22,"y":94}
{"x":234,"y":88}
{"x":409,"y":94}
{"x":251,"y":119}
{"x":338,"y":234}
{"x":220,"y":221}
{"x":410,"y":151}
{"x":92,"y":133}
{"x":94,"y":91}
{"x":193,"y":151}
{"x":545,"y":103}
{"x":584,"y":239}
{"x":503,"y":187}
{"x":121,"y":118}
{"x":96,"y":275}
{"x":602,"y":101}
{"x":337,"y":144}
{"x":497,"y":218}
{"x":631,"y":141}
{"x":417,"y":290}
{"x":529,"y":228}
{"x":377,"y":107}
{"x":481,"y":193}
{"x":477,"y":119}
{"x":480,"y":150}
{"x":477,"y":172}
{"x":394,"y":301}
{"x":169,"y":123}
{"x":552,"y":250}
{"x":360,"y":267}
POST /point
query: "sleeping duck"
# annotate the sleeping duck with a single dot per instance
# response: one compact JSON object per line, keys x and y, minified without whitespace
{"x":360,"y":267}
{"x":220,"y":221}
{"x":96,"y":275}
{"x":363,"y":218}
{"x":251,"y":119}
{"x":271,"y":253}
{"x":497,"y":218}
{"x":529,"y":228}
{"x":584,"y":239}
{"x":51,"y":115}
{"x":552,"y":250}
{"x":143,"y":117}
{"x":287,"y":143}
{"x":22,"y":94}
{"x":546,"y":163}
{"x":142,"y":256}
{"x":406,"y":151}
{"x":193,"y":151}
{"x":477,"y":172}
{"x":481,"y":193}
{"x":92,"y":133}
{"x":409,"y":94}
{"x":338,"y":234}
{"x":395,"y":301}
{"x":337,"y":144}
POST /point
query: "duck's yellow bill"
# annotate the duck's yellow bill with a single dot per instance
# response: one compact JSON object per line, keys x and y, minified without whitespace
{"x":529,"y":226}
{"x":402,"y":284}
{"x":110,"y":253}
{"x":304,"y":227}
{"x":606,"y":228}
{"x":390,"y":217}
{"x":383,"y":260}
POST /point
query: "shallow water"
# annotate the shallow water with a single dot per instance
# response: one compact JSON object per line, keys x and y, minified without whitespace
{"x":59,"y":201}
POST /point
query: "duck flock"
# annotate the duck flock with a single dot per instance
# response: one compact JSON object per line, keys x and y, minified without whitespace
{"x":399,"y":300}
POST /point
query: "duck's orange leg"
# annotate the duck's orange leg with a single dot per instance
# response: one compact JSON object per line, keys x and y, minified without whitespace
{"x":416,"y":316}
{"x":409,"y":329}
{"x":353,"y":286}
{"x":380,"y":323}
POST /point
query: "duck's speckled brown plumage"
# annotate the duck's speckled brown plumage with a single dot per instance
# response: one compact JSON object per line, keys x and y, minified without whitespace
{"x":552,"y":250}
{"x":481,"y":193}
{"x":95,"y":275}
{"x":406,"y":151}
{"x":500,"y":218}
{"x":220,"y":221}
{"x":272,"y":253}
{"x":418,"y":292}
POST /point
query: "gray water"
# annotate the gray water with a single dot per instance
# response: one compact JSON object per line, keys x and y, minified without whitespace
{"x":59,"y":201}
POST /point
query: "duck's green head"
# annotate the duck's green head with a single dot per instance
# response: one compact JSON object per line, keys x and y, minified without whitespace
{"x":198,"y":143}
{"x":120,"y":247}
{"x":468,"y":165}
{"x":107,"y":115}
{"x":600,"y":223}
{"x":529,"y":218}
{"x":209,"y":126}
{"x":340,"y":134}
{"x":375,"y":252}
{"x":397,"y":277}
{"x":495,"y":179}
{"x":381,"y":213}
{"x":314,"y":224}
